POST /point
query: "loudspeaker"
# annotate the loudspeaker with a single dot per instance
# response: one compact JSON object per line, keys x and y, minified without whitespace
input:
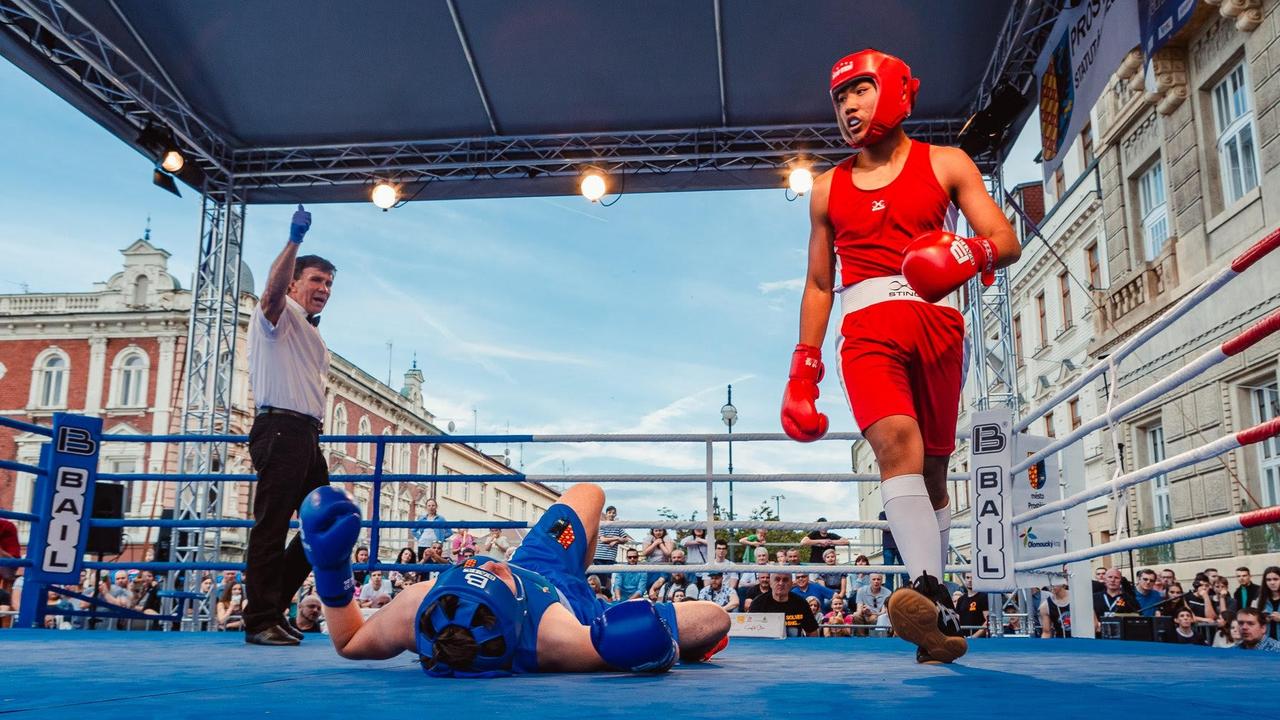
{"x":108,"y":502}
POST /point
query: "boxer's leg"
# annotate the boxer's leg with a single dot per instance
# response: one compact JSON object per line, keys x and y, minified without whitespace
{"x":935,"y":481}
{"x":899,"y":451}
{"x":587,"y":501}
{"x":702,"y":626}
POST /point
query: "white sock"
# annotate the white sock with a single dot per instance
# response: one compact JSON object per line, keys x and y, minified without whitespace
{"x":944,"y":533}
{"x":915,"y":527}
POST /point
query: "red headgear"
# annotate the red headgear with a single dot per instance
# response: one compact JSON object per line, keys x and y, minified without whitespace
{"x":894,"y":83}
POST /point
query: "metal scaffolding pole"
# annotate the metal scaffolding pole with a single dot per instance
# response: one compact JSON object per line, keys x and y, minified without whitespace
{"x":207,"y":397}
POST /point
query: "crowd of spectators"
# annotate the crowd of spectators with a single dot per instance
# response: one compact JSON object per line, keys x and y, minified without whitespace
{"x":1205,"y":611}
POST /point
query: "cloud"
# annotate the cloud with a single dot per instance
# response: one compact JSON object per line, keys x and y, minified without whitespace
{"x":789,"y":286}
{"x":481,"y":353}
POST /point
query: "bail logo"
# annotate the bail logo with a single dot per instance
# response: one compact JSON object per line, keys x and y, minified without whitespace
{"x":988,"y":439}
{"x":76,"y":441}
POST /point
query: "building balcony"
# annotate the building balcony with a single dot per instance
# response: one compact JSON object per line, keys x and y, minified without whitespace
{"x":1139,"y":294}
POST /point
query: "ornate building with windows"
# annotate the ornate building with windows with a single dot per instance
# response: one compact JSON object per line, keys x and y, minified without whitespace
{"x":118,"y":352}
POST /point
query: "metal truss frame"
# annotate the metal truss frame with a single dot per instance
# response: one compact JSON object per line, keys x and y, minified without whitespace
{"x":566,"y":154}
{"x":989,"y":309}
{"x":94,"y":63}
{"x":207,"y":394}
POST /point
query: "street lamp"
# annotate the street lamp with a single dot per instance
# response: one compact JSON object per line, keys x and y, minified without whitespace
{"x":777,"y":505}
{"x":729,"y":414}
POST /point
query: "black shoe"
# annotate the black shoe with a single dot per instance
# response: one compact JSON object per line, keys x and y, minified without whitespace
{"x":273,"y":635}
{"x":924,"y":615}
{"x":293,"y":632}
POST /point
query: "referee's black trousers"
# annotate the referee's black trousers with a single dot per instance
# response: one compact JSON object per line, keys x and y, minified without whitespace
{"x":286,"y":455}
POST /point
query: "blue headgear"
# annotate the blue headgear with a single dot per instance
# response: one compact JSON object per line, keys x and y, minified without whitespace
{"x":474,"y":587}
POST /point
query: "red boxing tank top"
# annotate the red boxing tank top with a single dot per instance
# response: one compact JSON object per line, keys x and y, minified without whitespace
{"x":874,"y":227}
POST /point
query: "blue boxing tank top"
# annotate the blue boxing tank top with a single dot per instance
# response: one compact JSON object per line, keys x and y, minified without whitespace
{"x":539,"y":595}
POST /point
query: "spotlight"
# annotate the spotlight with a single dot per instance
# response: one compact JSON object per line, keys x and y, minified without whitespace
{"x":159,"y":142}
{"x":385,"y":195}
{"x":164,"y":180}
{"x":593,"y":186}
{"x":800,"y":180}
{"x":172,"y":161}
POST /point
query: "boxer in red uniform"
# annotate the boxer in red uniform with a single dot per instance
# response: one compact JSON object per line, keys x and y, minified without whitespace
{"x":877,"y":239}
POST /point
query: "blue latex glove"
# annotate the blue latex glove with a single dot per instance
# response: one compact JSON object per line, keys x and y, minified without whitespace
{"x":299,"y":226}
{"x":330,"y":523}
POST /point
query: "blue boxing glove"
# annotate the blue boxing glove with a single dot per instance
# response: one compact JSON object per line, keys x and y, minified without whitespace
{"x":330,"y":523}
{"x":299,"y":226}
{"x":633,"y":636}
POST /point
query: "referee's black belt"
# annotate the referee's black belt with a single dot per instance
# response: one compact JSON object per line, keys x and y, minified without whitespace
{"x":266,"y":410}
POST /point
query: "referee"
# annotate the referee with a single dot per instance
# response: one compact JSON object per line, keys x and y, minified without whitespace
{"x":288,"y":364}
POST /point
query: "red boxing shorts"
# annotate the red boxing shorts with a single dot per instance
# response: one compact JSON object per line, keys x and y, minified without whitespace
{"x":905,"y":357}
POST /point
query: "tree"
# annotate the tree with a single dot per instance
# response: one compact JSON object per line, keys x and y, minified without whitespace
{"x":788,"y":537}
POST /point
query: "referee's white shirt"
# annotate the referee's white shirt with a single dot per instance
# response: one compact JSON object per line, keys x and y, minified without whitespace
{"x":288,"y":362}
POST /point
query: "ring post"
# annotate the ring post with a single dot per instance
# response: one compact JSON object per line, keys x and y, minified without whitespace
{"x":380,"y":451}
{"x":57,"y":539}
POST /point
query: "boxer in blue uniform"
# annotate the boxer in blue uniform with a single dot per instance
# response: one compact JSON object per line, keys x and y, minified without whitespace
{"x":488,"y":618}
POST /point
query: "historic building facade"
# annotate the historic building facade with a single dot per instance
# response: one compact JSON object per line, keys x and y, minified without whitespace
{"x":118,"y":352}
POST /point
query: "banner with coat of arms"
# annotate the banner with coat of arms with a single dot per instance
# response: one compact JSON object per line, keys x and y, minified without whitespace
{"x":1086,"y":46}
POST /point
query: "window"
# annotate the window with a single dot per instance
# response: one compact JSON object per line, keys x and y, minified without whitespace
{"x":1059,"y":184}
{"x":135,"y":493}
{"x":1017,"y":339}
{"x":1266,"y":406}
{"x":466,"y":491}
{"x":497,"y":502}
{"x":483,"y":489}
{"x":1048,"y":425}
{"x":1074,"y":407}
{"x":1064,"y":291}
{"x":1095,"y":270}
{"x":140,"y":290}
{"x":1044,"y":325}
{"x":339,"y":426}
{"x":129,"y":379}
{"x":1151,"y":203}
{"x":1161,"y":511}
{"x":1086,"y":143}
{"x":1237,"y":153}
{"x":364,"y":451}
{"x":422,"y":461}
{"x":511,"y":506}
{"x":49,"y":378}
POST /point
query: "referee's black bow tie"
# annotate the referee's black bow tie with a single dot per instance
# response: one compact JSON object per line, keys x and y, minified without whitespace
{"x":314,"y":320}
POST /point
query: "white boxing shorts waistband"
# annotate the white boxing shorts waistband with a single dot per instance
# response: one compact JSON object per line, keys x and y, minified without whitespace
{"x":876,"y":290}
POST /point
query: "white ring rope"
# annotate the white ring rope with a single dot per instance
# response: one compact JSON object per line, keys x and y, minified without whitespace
{"x":744,"y":524}
{"x":1234,"y":346}
{"x":1242,"y":262}
{"x":1240,"y":521}
{"x":1252,"y":435}
{"x":809,"y":569}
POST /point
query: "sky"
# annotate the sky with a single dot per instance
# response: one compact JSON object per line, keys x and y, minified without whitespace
{"x":533,"y":316}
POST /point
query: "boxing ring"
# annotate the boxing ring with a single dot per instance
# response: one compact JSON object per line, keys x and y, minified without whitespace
{"x":186,"y":674}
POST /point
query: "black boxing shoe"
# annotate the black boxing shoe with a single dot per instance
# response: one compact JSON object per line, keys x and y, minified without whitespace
{"x":291,"y":630}
{"x":924,"y":615}
{"x":273,"y":635}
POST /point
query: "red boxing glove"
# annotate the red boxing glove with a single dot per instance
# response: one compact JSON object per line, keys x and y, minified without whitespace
{"x":801,"y":420}
{"x":937,"y":263}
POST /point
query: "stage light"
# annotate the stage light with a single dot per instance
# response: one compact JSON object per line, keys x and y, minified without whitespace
{"x":172,"y":161}
{"x":593,"y":187}
{"x":800,"y":180}
{"x":164,"y":180}
{"x":385,"y":195}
